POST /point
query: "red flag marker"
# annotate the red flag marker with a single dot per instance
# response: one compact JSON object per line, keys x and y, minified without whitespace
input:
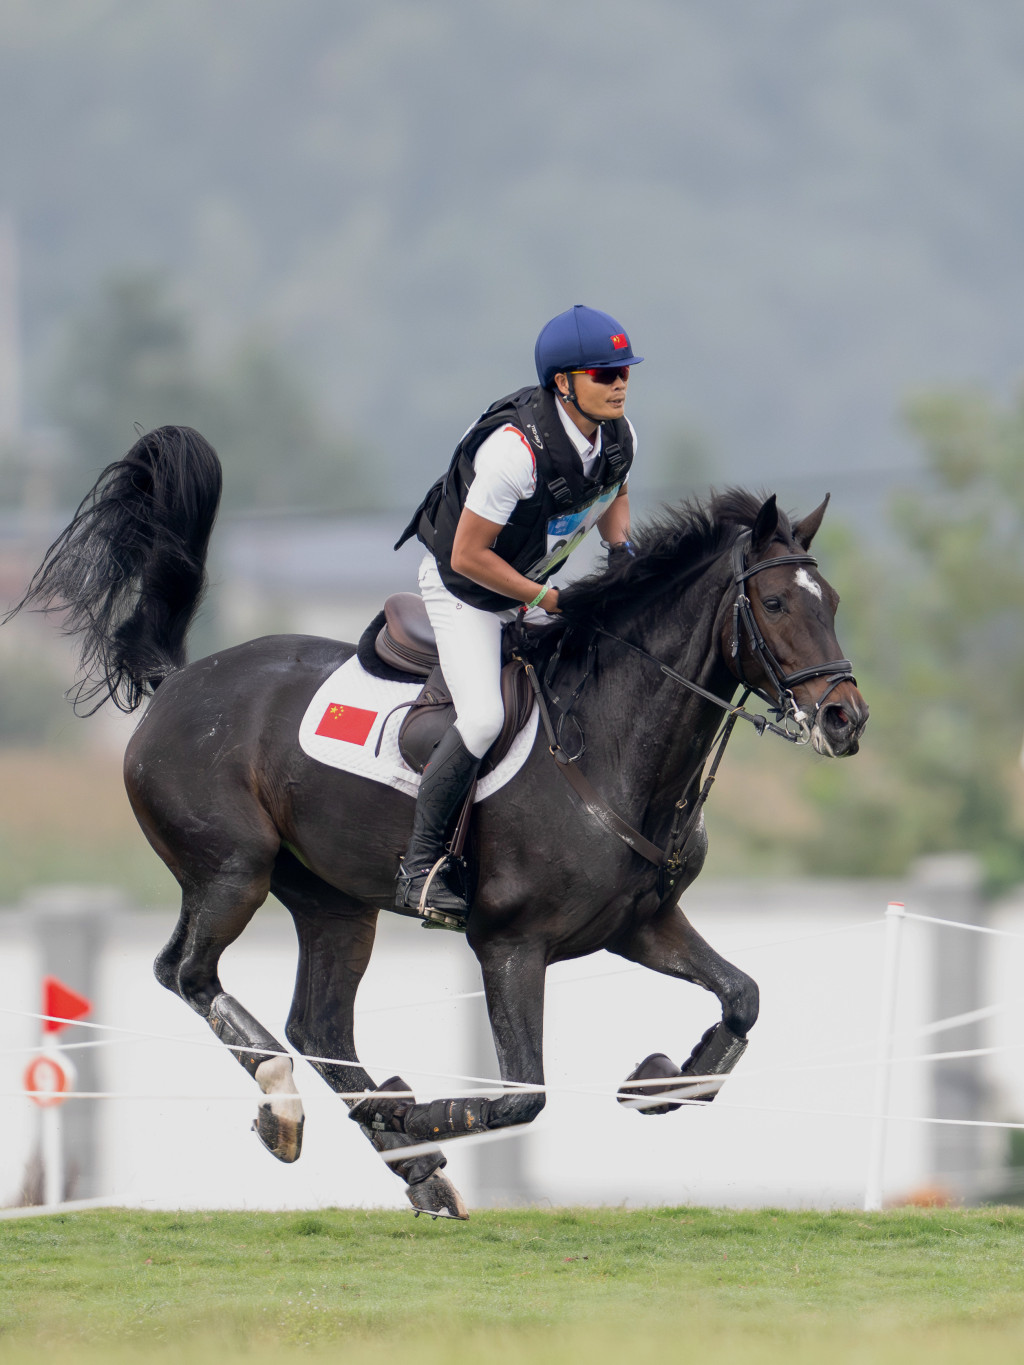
{"x":62,"y":1001}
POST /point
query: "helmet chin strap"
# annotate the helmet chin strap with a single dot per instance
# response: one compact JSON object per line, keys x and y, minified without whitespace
{"x":571,"y":398}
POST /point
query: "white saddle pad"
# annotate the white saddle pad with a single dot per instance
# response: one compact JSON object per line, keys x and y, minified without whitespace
{"x":343,"y":723}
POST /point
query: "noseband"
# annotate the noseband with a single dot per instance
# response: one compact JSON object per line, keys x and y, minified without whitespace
{"x":837,"y":671}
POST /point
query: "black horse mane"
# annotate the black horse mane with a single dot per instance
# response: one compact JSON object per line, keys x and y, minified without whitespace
{"x":670,"y":550}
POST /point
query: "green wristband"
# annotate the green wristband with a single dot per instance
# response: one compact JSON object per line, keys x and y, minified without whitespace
{"x":539,"y":598}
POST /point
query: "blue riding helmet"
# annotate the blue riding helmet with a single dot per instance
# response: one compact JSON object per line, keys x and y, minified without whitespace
{"x":579,"y":339}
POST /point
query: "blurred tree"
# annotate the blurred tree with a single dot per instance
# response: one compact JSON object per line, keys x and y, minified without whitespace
{"x":684,"y":465}
{"x":132,"y":357}
{"x":33,"y":711}
{"x":937,"y":641}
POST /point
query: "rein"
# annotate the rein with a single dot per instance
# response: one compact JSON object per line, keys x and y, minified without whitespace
{"x":793,"y":724}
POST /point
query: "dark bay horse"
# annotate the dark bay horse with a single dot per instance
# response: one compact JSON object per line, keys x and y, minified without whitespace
{"x":716,"y":595}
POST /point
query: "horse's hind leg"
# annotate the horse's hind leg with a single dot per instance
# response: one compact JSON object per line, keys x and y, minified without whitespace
{"x":336,"y":937}
{"x":670,"y":944}
{"x":216,"y":907}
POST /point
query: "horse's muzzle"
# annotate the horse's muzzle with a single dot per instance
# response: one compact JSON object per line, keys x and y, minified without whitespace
{"x":839,"y":726}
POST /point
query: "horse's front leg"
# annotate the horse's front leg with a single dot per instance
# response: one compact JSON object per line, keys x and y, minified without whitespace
{"x":514,"y":985}
{"x":670,"y":944}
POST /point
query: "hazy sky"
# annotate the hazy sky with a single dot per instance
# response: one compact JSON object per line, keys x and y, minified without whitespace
{"x":800,"y":211}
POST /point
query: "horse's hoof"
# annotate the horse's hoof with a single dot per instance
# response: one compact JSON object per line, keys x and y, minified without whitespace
{"x":282,"y":1136}
{"x":279,"y":1120}
{"x":437,"y":1196}
{"x":654,"y":1067}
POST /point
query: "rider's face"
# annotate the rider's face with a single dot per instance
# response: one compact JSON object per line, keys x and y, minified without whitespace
{"x":603,"y":401}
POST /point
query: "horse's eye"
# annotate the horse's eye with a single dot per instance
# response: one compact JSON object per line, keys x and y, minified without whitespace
{"x":771,"y":603}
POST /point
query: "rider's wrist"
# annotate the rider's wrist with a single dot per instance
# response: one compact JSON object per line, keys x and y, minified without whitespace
{"x":620,"y":546}
{"x":539,"y":598}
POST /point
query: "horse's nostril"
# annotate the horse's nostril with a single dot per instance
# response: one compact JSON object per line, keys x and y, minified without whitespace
{"x":837,"y":718}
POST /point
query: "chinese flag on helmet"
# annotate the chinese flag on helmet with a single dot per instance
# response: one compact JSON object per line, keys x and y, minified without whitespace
{"x":620,"y":341}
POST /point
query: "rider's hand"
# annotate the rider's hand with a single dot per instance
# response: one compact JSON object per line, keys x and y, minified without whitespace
{"x":621,"y":550}
{"x":549,"y":602}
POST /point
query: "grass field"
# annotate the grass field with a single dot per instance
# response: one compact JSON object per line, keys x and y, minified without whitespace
{"x":594,"y":1285}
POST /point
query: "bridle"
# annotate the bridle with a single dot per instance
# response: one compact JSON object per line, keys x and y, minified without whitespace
{"x":793,"y":724}
{"x":783,"y":703}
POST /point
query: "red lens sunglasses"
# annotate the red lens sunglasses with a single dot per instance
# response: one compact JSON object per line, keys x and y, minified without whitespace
{"x":606,"y":374}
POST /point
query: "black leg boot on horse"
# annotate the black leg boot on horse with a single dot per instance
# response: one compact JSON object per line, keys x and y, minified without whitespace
{"x":424,"y":877}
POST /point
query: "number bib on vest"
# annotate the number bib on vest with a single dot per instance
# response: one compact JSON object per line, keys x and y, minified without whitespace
{"x":566,"y":533}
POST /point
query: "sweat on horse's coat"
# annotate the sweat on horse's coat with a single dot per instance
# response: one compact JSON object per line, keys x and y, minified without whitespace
{"x":236,"y":810}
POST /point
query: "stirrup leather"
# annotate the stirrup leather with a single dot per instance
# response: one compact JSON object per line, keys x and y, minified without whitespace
{"x":422,"y":906}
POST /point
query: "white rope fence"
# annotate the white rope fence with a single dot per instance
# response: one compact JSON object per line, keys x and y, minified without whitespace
{"x":884,"y":1060}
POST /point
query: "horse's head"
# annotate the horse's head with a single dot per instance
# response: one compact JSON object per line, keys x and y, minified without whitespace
{"x":780,"y":638}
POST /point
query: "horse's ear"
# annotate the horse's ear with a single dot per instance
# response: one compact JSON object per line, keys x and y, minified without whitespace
{"x":765,"y":526}
{"x":805,"y":531}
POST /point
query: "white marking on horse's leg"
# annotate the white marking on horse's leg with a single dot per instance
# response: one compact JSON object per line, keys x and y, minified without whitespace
{"x":804,"y":580}
{"x":274,"y":1077}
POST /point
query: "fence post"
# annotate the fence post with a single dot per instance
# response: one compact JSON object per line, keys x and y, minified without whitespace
{"x":70,"y":924}
{"x":949,"y":886}
{"x":894,"y":918}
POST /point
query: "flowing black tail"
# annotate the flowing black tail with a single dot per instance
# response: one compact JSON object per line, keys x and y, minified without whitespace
{"x":130,"y":570}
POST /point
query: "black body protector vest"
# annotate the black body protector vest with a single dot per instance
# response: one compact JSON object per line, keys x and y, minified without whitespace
{"x":543,"y":529}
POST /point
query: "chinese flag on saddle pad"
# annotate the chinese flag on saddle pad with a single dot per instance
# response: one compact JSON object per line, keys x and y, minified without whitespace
{"x":349,"y":723}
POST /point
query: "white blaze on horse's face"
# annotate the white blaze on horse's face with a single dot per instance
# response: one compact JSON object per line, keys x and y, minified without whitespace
{"x":804,"y":580}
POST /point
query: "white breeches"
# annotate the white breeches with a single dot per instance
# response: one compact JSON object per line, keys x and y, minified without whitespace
{"x":469,"y":647}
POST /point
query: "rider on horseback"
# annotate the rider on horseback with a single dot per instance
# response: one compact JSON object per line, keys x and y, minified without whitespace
{"x":527,"y":482}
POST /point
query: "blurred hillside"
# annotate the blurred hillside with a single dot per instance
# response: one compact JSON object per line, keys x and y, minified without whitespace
{"x":801,"y":211}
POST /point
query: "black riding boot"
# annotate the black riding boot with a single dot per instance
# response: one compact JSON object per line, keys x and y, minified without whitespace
{"x":447,"y":779}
